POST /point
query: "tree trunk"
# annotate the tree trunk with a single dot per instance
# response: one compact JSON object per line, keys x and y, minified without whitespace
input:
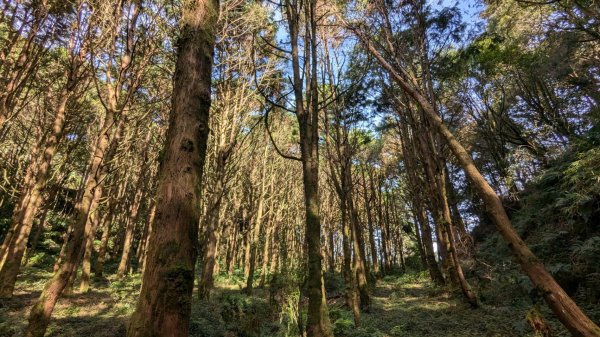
{"x":28,"y":205}
{"x":37,"y":235}
{"x":146,"y":237}
{"x":106,"y":227}
{"x":265,"y":255}
{"x":561,"y":304}
{"x":128,"y":241}
{"x":331,"y":251}
{"x":39,"y":318}
{"x":208,"y":264}
{"x":359,"y":264}
{"x":90,"y":234}
{"x":432,"y":265}
{"x":164,"y":304}
{"x":367,"y":201}
{"x":347,"y":268}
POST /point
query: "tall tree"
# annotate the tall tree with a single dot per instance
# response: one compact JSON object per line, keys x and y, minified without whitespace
{"x":165,"y":300}
{"x":561,"y":304}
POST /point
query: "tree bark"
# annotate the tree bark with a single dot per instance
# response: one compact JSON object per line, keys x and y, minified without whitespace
{"x":561,"y":304}
{"x":317,"y":324}
{"x":131,"y":224}
{"x":90,"y":234}
{"x":31,"y":198}
{"x":359,"y":264}
{"x":164,"y":304}
{"x":39,"y":318}
{"x":367,"y":201}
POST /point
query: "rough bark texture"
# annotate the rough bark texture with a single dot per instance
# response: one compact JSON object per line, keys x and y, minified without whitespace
{"x":164,"y":304}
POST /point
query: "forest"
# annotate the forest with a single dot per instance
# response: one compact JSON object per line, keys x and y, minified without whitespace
{"x":309,"y":168}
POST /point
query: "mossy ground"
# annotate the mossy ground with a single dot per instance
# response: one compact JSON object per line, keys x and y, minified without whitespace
{"x":406,"y":305}
{"x":409,"y":305}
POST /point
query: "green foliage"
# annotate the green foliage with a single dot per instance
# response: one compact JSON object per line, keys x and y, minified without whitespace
{"x":334,"y":283}
{"x":243,"y":315}
{"x":41,"y":259}
{"x":206,"y":320}
{"x":558,"y":217}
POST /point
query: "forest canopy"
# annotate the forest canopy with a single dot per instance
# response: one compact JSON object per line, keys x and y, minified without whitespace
{"x":299,"y":168}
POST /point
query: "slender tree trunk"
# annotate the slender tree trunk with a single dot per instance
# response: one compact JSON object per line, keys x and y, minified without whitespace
{"x":63,"y":248}
{"x":254,"y":236}
{"x":39,"y":318}
{"x":164,"y":304}
{"x":432,"y":265}
{"x":146,"y":237}
{"x":385,"y":262}
{"x":372,"y":244}
{"x":28,"y":205}
{"x":129,"y":231}
{"x":248,"y":249}
{"x":233,"y":240}
{"x":561,"y":304}
{"x":265,"y":255}
{"x":106,"y":227}
{"x":36,"y":236}
{"x":464,"y":285}
{"x":419,"y":242}
{"x":208,"y":264}
{"x":359,"y":264}
{"x":347,"y":266}
{"x":331,"y":244}
{"x":90,"y":234}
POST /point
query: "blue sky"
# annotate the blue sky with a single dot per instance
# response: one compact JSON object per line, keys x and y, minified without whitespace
{"x":469,"y":8}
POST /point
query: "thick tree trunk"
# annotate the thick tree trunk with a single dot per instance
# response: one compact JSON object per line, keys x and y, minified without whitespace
{"x":164,"y":304}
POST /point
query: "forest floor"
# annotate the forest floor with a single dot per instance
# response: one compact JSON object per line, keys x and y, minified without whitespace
{"x":406,"y":305}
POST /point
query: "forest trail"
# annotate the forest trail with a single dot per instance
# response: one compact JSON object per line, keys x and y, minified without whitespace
{"x":406,"y":305}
